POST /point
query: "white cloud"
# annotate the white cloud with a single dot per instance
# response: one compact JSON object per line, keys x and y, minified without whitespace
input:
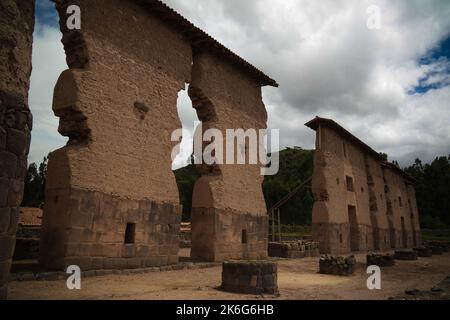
{"x":327,"y":62}
{"x":48,"y":63}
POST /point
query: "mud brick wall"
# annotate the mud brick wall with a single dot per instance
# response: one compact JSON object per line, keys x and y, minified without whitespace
{"x":228,"y":201}
{"x":401,"y":212}
{"x":377,"y":204}
{"x":250,"y":277}
{"x":361,"y":202}
{"x":332,"y":166}
{"x":118,"y":105}
{"x":16,"y":31}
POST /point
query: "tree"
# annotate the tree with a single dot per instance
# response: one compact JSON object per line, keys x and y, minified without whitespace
{"x":34,"y":190}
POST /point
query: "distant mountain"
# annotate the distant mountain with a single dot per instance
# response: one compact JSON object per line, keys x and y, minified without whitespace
{"x":296,"y":166}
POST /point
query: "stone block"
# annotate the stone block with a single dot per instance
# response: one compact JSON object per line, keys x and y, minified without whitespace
{"x":14,"y":221}
{"x":4,"y":190}
{"x":21,"y":120}
{"x":249,"y":277}
{"x":7,"y":244}
{"x":85,"y":263}
{"x":21,"y":170}
{"x":4,"y":220}
{"x":15,"y":193}
{"x":406,"y":255}
{"x":8,"y":164}
{"x":381,"y":260}
{"x":5,"y":267}
{"x":424,"y":252}
{"x":339,"y":266}
{"x":17,"y":142}
{"x":2,"y":138}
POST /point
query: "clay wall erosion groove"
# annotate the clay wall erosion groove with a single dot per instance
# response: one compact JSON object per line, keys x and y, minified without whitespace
{"x":379,"y":211}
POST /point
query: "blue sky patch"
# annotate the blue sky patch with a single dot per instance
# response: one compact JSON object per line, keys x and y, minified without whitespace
{"x":438,"y":59}
{"x":46,"y":14}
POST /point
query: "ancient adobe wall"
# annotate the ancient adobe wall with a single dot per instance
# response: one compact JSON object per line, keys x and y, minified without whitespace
{"x":118,"y":105}
{"x":334,"y":165}
{"x":16,"y":32}
{"x":398,"y":198}
{"x":377,"y":204}
{"x":229,"y":218}
{"x":414,"y":213}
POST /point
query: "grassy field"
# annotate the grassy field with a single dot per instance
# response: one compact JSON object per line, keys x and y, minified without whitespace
{"x":436,"y":235}
{"x":299,"y":232}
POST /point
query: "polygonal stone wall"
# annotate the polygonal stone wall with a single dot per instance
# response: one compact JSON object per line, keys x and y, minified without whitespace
{"x":16,"y":32}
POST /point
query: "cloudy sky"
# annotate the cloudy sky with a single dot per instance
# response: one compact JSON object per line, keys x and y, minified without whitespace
{"x":390,"y":85}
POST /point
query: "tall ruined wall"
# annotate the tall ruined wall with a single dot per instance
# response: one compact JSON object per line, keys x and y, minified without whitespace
{"x":337,"y":160}
{"x":414,"y":214}
{"x":398,"y":198}
{"x":118,"y":105}
{"x":16,"y":32}
{"x":229,"y":213}
{"x":377,"y":204}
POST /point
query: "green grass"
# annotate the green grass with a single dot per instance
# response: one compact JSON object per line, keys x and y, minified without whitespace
{"x":292,"y":232}
{"x":436,"y":235}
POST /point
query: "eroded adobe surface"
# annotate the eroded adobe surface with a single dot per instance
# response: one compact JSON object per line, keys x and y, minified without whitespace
{"x":118,"y":105}
{"x":361,"y":202}
{"x":111,"y":198}
{"x":229,"y":218}
{"x":16,"y":31}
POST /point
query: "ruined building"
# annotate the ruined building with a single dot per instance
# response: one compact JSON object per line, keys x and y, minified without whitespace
{"x":111,"y":198}
{"x":361,"y":201}
{"x":16,"y":32}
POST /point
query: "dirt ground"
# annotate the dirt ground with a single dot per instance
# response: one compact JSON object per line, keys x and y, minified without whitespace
{"x":297,"y":279}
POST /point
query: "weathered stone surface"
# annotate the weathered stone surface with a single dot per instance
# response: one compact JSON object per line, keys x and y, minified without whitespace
{"x":99,"y":238}
{"x":18,"y":142}
{"x":381,"y":260}
{"x":226,"y":98}
{"x":250,"y":277}
{"x":339,"y":266}
{"x":217,"y":235}
{"x":424,"y":252}
{"x":4,"y":219}
{"x":2,"y":138}
{"x":361,"y":202}
{"x":406,"y":255}
{"x":294,"y":250}
{"x":8,"y":164}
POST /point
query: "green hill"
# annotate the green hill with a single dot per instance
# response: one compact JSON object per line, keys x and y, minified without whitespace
{"x":296,"y":166}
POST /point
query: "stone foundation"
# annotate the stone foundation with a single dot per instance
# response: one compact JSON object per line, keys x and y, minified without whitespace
{"x":219,"y":235}
{"x":294,"y":250}
{"x":381,"y":260}
{"x":334,"y":238}
{"x":406,"y":255}
{"x":339,"y":266}
{"x":441,"y":244}
{"x":250,"y":277}
{"x":435,"y":250}
{"x":92,"y":231}
{"x":424,"y":252}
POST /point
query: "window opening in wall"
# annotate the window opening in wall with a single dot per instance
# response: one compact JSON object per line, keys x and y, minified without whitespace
{"x":244,"y":237}
{"x":349,"y":181}
{"x":130,"y":233}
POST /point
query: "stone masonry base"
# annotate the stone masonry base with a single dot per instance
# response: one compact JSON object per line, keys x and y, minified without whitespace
{"x":219,"y":235}
{"x":100,"y":231}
